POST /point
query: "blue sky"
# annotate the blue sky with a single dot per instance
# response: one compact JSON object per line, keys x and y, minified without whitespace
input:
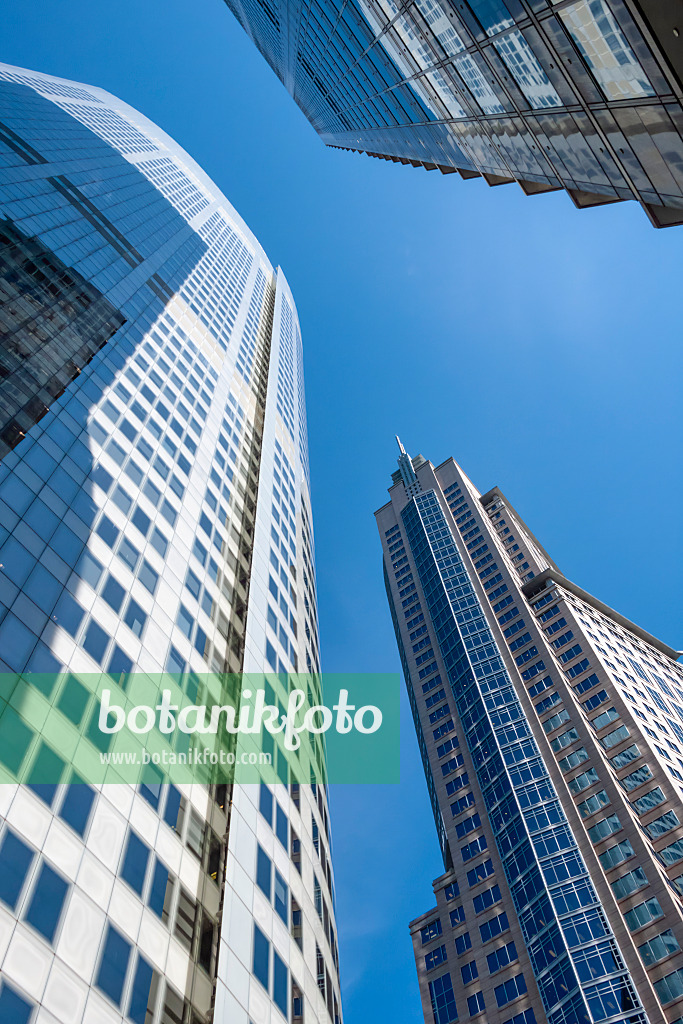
{"x":538,"y":345}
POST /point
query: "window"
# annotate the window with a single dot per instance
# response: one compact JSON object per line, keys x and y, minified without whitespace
{"x":281,"y":826}
{"x":625,"y":757}
{"x":501,"y":957}
{"x":661,"y":825}
{"x":583,"y":781}
{"x":613,"y":738}
{"x":636,"y":778}
{"x":479,"y":873}
{"x":16,"y":858}
{"x":486,"y":899}
{"x":657,"y":949}
{"x":469,"y":972}
{"x":76,"y":807}
{"x":281,"y":897}
{"x":475,"y":1003}
{"x":604,"y":828}
{"x":573,"y":760}
{"x":113,"y":965}
{"x":263,"y":871}
{"x":431,"y":931}
{"x":280,"y":983}
{"x":435,"y":958}
{"x":266,"y":803}
{"x":261,"y":960}
{"x":15,"y":1009}
{"x":628,"y":883}
{"x":645,"y":803}
{"x":606,"y":717}
{"x":593,"y":803}
{"x":47,"y":901}
{"x":671,"y":854}
{"x":473,"y":848}
{"x":457,"y":916}
{"x":134,"y":865}
{"x":510,"y":989}
{"x":463,"y":943}
{"x":443,"y":1000}
{"x":643,"y":913}
{"x":616,"y":854}
{"x":143,"y":993}
{"x":669,"y":987}
{"x":186,"y":918}
{"x":496,"y":925}
{"x":565,"y":739}
{"x":157,"y":894}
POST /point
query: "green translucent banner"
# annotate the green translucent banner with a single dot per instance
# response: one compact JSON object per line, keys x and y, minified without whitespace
{"x":196,"y":728}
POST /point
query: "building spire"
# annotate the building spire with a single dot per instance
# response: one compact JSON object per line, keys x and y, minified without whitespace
{"x":405,"y":464}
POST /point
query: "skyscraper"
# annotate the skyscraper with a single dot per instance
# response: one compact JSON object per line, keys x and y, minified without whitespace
{"x":581,"y":95}
{"x":551,"y":734}
{"x":154,"y":517}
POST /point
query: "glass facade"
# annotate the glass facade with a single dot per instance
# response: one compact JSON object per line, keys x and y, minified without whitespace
{"x":550,"y":732}
{"x":154,"y":516}
{"x":581,"y":95}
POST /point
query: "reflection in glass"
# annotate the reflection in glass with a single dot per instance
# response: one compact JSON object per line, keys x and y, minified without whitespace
{"x":526,"y":70}
{"x":605,"y":49}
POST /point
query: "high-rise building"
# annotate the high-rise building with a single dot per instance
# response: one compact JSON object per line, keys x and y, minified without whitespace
{"x":154,"y":517}
{"x":551,"y":734}
{"x":581,"y":95}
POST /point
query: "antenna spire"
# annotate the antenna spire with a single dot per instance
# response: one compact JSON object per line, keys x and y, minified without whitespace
{"x":400,"y":446}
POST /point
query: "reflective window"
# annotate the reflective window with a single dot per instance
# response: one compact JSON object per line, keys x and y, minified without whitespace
{"x":605,"y":49}
{"x":47,"y":900}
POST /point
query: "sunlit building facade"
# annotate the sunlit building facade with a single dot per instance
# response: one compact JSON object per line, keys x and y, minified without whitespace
{"x":551,"y":734}
{"x":154,"y":517}
{"x":581,"y":95}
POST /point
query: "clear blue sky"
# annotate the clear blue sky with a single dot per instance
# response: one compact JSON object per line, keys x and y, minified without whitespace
{"x":538,"y":345}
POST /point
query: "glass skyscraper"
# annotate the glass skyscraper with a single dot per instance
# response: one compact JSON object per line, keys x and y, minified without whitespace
{"x":581,"y":95}
{"x":155,"y":517}
{"x":551,"y":734}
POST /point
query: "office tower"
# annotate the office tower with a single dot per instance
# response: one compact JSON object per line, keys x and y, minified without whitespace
{"x":581,"y":95}
{"x":551,"y":737}
{"x":155,"y":516}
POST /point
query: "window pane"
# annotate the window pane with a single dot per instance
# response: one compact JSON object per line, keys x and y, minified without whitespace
{"x":15,"y":857}
{"x":47,"y":901}
{"x":113,"y":965}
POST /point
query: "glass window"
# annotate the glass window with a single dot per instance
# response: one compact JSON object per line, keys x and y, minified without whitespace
{"x":157,"y":892}
{"x":280,"y":983}
{"x":143,"y":992}
{"x":643,"y":913}
{"x":76,"y":806}
{"x":281,"y":897}
{"x":135,"y":618}
{"x":13,"y":1008}
{"x":261,"y":962}
{"x":605,"y":49}
{"x":16,"y":858}
{"x":281,"y":826}
{"x":266,"y":804}
{"x":134,"y":866}
{"x":113,"y":965}
{"x":526,"y":70}
{"x":263,"y":872}
{"x":47,"y":901}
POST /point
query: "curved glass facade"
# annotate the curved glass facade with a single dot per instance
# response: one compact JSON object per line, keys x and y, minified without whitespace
{"x":155,"y":517}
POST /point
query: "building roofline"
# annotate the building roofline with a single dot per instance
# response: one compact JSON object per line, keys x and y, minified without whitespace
{"x":540,"y":582}
{"x":495,"y":492}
